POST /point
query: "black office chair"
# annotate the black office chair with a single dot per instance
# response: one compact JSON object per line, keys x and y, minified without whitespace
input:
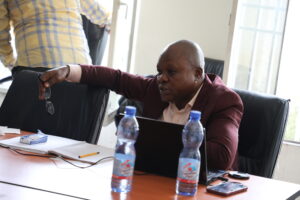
{"x":214,"y":66}
{"x":5,"y":79}
{"x":79,"y":108}
{"x":97,"y":38}
{"x":261,"y":132}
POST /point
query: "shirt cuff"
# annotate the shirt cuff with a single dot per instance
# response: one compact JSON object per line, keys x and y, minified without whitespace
{"x":75,"y":73}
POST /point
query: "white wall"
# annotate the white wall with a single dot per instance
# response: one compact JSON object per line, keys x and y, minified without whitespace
{"x":287,"y":167}
{"x":203,"y":21}
{"x":4,"y":72}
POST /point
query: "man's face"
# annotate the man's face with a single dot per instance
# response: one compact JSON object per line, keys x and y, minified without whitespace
{"x":176,"y":78}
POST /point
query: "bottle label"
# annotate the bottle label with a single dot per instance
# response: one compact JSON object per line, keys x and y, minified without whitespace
{"x":123,"y":166}
{"x":188,"y":170}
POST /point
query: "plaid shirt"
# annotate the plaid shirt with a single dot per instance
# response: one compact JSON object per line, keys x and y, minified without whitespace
{"x":48,"y":33}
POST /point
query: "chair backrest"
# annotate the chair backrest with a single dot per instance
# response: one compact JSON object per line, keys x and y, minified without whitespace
{"x":214,"y":66}
{"x":8,"y":78}
{"x":261,"y":132}
{"x":79,"y":108}
{"x":96,"y":37}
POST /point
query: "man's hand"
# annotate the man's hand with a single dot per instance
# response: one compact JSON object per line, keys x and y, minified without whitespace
{"x":52,"y":77}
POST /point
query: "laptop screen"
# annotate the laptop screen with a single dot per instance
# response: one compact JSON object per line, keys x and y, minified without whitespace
{"x":158,"y":147}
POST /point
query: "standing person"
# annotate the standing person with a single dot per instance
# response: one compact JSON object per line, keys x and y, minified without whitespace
{"x":179,"y":87}
{"x":48,"y":33}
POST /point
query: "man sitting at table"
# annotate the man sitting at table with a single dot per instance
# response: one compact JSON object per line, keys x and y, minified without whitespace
{"x":179,"y":87}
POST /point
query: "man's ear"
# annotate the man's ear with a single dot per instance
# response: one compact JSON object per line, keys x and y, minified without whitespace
{"x":198,"y":74}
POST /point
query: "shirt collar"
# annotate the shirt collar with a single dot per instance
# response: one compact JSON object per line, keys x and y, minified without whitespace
{"x":190,"y":103}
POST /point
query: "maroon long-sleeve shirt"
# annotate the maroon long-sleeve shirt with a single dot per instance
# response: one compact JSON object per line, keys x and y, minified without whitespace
{"x":221,"y":108}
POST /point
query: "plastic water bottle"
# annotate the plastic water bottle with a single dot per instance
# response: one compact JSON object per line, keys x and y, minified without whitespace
{"x":189,"y":159}
{"x":124,"y":160}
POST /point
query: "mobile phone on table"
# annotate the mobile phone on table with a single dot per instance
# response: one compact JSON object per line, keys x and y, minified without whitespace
{"x":227,"y":188}
{"x":238,"y":175}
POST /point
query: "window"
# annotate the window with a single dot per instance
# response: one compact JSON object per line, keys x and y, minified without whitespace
{"x":287,"y":85}
{"x":264,"y":53}
{"x":257,"y":44}
{"x":119,"y":53}
{"x":4,"y":72}
{"x":121,"y":41}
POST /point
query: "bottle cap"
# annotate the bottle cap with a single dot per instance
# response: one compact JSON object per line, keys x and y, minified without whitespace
{"x":130,"y":110}
{"x":195,"y":115}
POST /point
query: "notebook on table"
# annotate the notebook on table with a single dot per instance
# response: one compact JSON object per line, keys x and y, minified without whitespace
{"x":65,"y":147}
{"x":158,"y":147}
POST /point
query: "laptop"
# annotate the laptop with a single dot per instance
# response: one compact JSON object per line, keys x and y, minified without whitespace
{"x":158,"y":147}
